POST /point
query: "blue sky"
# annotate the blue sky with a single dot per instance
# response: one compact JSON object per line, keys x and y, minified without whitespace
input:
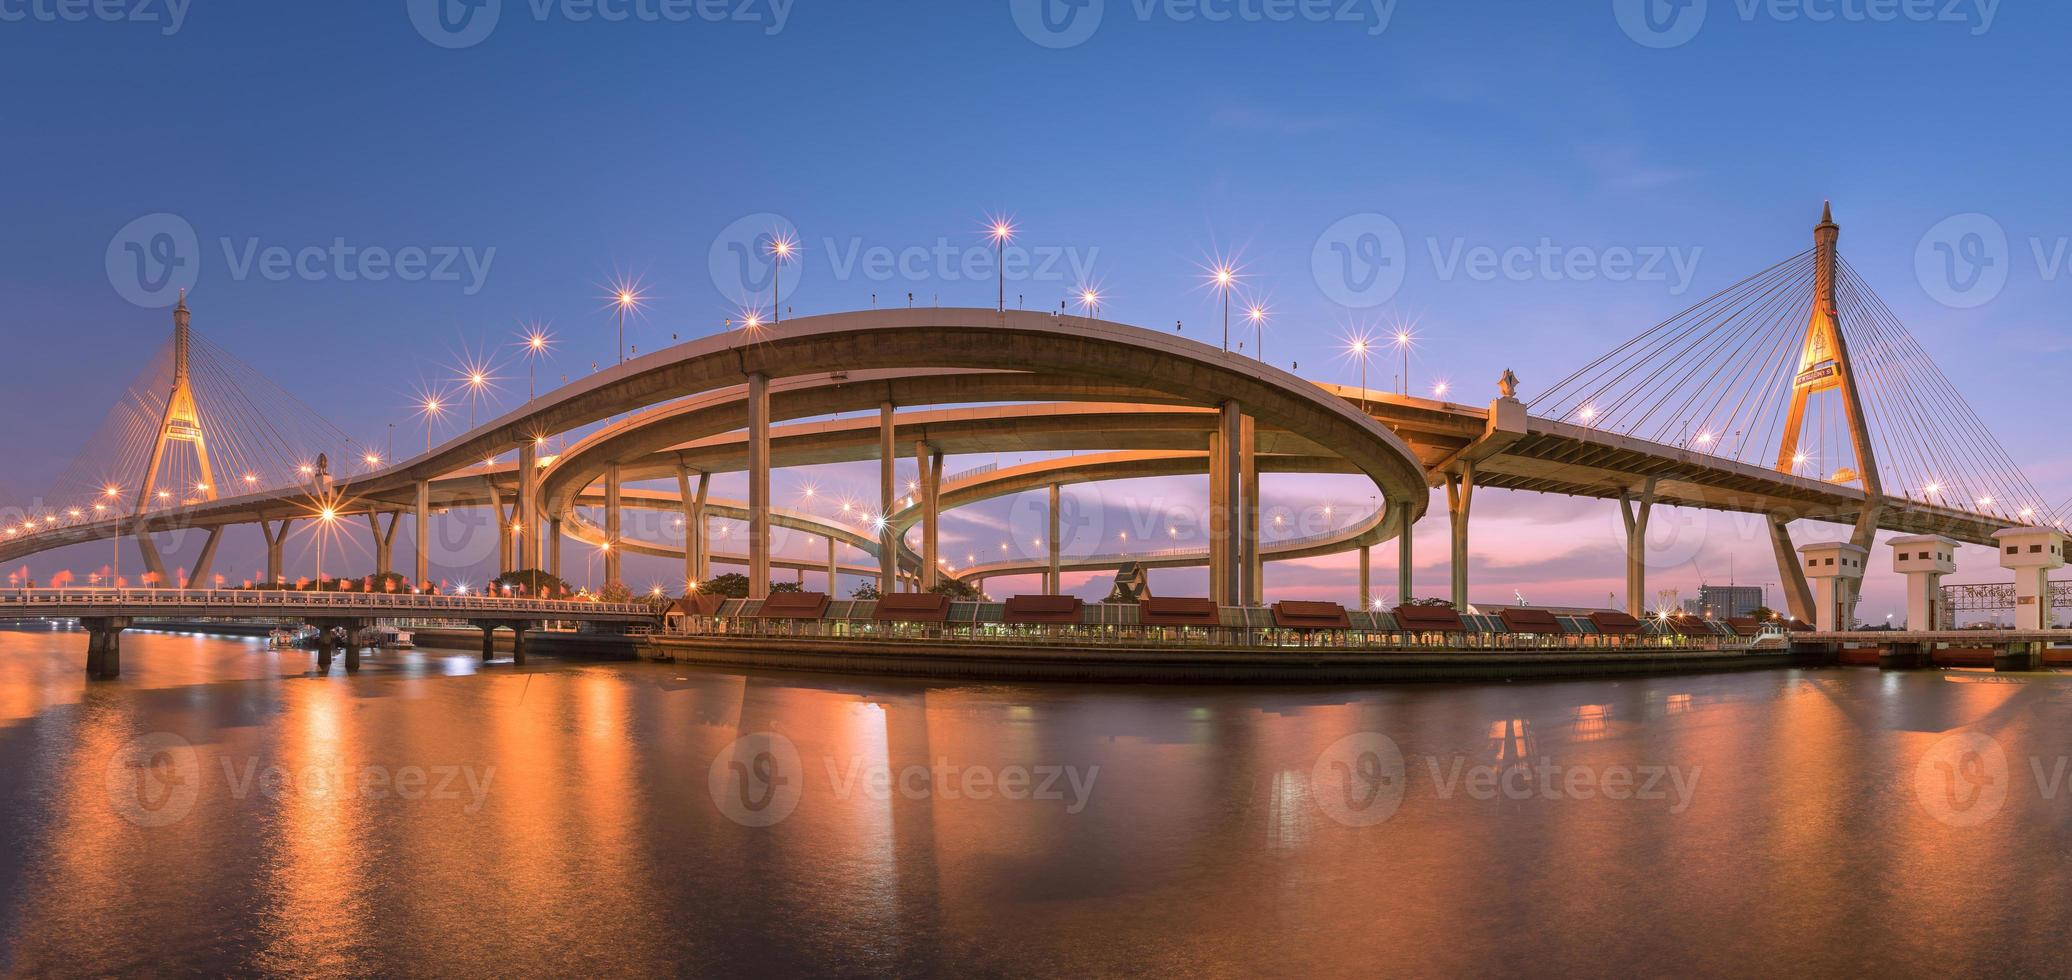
{"x":580,"y":150}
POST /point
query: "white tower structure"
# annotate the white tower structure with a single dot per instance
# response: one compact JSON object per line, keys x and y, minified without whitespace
{"x":1836,"y":570}
{"x":1925,"y":559}
{"x":2032,"y":553}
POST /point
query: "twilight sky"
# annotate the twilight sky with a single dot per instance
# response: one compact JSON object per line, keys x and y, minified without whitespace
{"x":550,"y":147}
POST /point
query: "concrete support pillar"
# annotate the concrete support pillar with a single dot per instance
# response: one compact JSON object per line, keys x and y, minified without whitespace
{"x":693,"y":522}
{"x":1637,"y":518}
{"x":1214,"y":524}
{"x":888,"y":545}
{"x":327,"y":646}
{"x":1366,"y":578}
{"x":554,"y":547}
{"x":1248,"y":514}
{"x":928,"y":463}
{"x":1460,"y":504}
{"x":518,"y":642}
{"x":104,"y":647}
{"x":525,"y":529}
{"x":1406,"y":555}
{"x":488,"y":641}
{"x":154,"y":563}
{"x":352,"y":648}
{"x":276,"y":545}
{"x":1054,"y":579}
{"x":1791,"y":571}
{"x":1835,"y":568}
{"x":384,"y":541}
{"x":758,"y":486}
{"x":2032,"y":553}
{"x":423,"y":529}
{"x":502,"y":517}
{"x":1925,"y":560}
{"x":614,"y":518}
{"x":1226,"y":535}
{"x":205,"y":564}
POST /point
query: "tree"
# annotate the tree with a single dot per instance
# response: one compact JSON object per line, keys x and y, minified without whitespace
{"x":1434,"y":603}
{"x":956,"y":588}
{"x":615,"y":592}
{"x":532,"y":582}
{"x":732,"y":585}
{"x":867,"y":592}
{"x":1764,"y":614}
{"x":776,"y":587}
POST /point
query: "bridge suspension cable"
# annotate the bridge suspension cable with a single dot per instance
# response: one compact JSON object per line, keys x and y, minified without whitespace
{"x":1762,"y":373}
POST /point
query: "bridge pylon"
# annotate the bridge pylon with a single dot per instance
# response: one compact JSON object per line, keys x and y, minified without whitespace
{"x":179,"y":423}
{"x":1825,"y":366}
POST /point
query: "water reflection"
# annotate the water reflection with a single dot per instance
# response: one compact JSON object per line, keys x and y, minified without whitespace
{"x":427,"y":816}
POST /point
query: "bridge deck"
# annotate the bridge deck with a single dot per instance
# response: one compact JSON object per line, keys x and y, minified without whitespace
{"x":236,"y":604}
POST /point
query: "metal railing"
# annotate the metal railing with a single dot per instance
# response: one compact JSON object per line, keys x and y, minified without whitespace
{"x":383,"y":601}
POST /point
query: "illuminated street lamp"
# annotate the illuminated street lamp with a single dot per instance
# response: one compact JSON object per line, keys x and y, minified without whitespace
{"x":1257,"y":314}
{"x":781,"y":250}
{"x":1360,"y":348}
{"x":1090,"y":298}
{"x":1404,"y":341}
{"x":537,"y":343}
{"x":1002,"y":232}
{"x":625,"y":298}
{"x":1224,"y":276}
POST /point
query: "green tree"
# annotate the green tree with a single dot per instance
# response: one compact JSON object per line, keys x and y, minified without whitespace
{"x":776,"y":587}
{"x":615,"y":592}
{"x":867,"y":592}
{"x":956,"y":588}
{"x":532,"y":582}
{"x":732,"y":585}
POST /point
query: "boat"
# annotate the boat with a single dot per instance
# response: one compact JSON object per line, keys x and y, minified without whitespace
{"x":386,"y":637}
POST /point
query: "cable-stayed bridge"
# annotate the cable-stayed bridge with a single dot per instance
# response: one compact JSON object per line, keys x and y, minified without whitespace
{"x":1795,"y":394}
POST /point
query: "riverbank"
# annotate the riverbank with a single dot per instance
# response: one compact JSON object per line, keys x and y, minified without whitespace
{"x":1230,"y":665}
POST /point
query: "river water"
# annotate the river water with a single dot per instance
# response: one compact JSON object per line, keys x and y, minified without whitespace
{"x":223,"y":810}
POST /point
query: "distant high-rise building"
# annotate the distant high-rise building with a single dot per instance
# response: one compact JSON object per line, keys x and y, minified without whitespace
{"x":1728,"y":601}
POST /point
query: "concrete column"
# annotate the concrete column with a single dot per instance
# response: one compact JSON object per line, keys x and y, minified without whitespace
{"x":554,"y":547}
{"x":423,"y":530}
{"x":276,"y":545}
{"x":888,"y":545}
{"x":1215,"y":524}
{"x":205,"y":563}
{"x":1835,"y":568}
{"x":384,"y":541}
{"x":1924,"y":560}
{"x":1406,"y":558}
{"x":1366,"y":578}
{"x":1791,"y":571}
{"x":518,"y":643}
{"x":614,"y":520}
{"x":1054,"y":581}
{"x":926,"y":493}
{"x":2032,"y":553}
{"x":833,"y":571}
{"x":1226,"y":530}
{"x":758,"y":486}
{"x":502,"y":517}
{"x":1636,"y":545}
{"x":104,"y":647}
{"x":1248,"y":513}
{"x":488,"y":641}
{"x":693,"y":521}
{"x":1460,"y":504}
{"x":527,"y":523}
